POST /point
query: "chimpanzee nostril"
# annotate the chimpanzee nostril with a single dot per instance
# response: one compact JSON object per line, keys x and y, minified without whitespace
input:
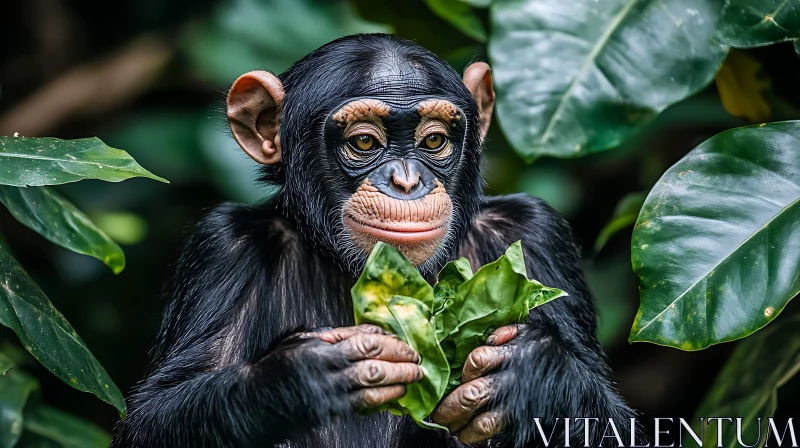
{"x":405,"y":180}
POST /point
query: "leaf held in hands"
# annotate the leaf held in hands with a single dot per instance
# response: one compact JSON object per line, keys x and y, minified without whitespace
{"x":466,"y":309}
{"x":498,"y":294}
{"x":53,"y":217}
{"x":28,"y":161}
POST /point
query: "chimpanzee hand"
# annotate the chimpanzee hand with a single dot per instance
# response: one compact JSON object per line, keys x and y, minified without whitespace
{"x":378,"y":365}
{"x":462,"y":410}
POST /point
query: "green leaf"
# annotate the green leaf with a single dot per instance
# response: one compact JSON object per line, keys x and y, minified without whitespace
{"x":797,"y":47}
{"x":51,"y":161}
{"x":498,"y":294}
{"x":67,"y":431}
{"x":245,"y":35}
{"x":717,"y":243}
{"x":387,"y":294}
{"x":413,"y":326}
{"x":15,"y":387}
{"x":388,"y":273}
{"x":625,"y":214}
{"x":6,"y":363}
{"x":578,"y":77}
{"x":460,"y":15}
{"x":52,"y":216}
{"x":748,"y":385}
{"x":391,"y":294}
{"x":755,"y":23}
{"x":478,"y":3}
{"x":47,"y":335}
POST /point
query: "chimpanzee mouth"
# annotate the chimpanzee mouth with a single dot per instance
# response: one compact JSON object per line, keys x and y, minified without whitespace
{"x":398,"y":232}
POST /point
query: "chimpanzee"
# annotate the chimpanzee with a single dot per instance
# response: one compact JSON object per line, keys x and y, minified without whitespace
{"x":370,"y":138}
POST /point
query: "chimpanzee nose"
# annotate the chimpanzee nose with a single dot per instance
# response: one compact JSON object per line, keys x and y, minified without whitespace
{"x":403,"y":179}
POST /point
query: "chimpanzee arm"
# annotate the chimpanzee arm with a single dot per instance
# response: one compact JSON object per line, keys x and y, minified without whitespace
{"x":204,"y":389}
{"x":558,"y":369}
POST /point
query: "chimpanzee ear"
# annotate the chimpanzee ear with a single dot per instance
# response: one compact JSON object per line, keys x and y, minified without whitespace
{"x":478,"y":79}
{"x":253,"y":106}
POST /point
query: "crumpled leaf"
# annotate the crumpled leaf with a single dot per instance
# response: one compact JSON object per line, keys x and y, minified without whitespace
{"x":498,"y":294}
{"x":393,"y":295}
{"x":466,"y":309}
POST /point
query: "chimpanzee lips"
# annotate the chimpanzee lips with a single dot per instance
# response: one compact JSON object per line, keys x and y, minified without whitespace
{"x":398,"y":232}
{"x":415,"y":227}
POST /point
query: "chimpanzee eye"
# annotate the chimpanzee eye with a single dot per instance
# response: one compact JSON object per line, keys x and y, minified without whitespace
{"x":362,"y":142}
{"x":434,"y":141}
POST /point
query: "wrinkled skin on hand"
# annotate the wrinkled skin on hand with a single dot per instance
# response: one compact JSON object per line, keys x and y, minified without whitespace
{"x":380,"y":365}
{"x":464,"y":411}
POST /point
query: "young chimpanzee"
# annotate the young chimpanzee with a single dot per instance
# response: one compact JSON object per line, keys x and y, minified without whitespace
{"x":371,"y":138}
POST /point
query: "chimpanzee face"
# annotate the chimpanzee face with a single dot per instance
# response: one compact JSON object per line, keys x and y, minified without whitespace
{"x":373,"y":139}
{"x":399,"y":152}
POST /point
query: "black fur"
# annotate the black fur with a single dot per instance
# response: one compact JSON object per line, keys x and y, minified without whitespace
{"x":224,"y":371}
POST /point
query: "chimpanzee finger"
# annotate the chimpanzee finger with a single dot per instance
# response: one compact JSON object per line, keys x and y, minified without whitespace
{"x":457,"y":409}
{"x":481,"y":427}
{"x":371,"y":373}
{"x":483,"y":360}
{"x":503,"y":335}
{"x":335,"y":335}
{"x":372,"y":397}
{"x":377,"y":346}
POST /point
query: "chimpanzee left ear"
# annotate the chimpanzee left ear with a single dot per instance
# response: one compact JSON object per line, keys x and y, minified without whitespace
{"x":478,"y":79}
{"x":253,"y":105}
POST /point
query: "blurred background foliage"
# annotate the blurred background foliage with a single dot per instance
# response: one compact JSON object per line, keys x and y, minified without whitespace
{"x":149,"y":76}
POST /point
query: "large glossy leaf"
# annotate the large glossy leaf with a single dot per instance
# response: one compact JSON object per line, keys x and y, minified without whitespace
{"x":460,"y":15}
{"x":717,"y":243}
{"x":61,"y":429}
{"x":15,"y":387}
{"x":52,"y":216}
{"x":748,"y":385}
{"x":754,"y":23}
{"x":578,"y":77}
{"x":51,"y":161}
{"x":47,"y":335}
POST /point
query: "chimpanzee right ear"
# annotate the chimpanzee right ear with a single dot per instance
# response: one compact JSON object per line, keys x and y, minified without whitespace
{"x":253,"y":106}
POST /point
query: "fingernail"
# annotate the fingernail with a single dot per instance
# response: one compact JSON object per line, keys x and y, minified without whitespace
{"x":491,"y":340}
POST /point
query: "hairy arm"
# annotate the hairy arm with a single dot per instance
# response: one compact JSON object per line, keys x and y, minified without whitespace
{"x":554,"y":367}
{"x":224,"y":376}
